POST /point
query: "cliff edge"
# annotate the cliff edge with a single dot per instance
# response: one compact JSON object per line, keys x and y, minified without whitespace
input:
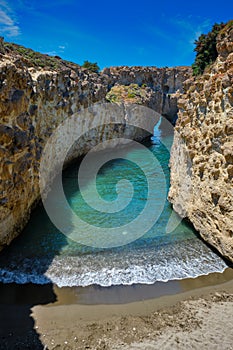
{"x":202,"y":154}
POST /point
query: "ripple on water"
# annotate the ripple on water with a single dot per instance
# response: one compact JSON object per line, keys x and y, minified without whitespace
{"x":43,"y":255}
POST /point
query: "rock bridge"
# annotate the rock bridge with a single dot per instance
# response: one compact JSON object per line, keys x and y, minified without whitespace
{"x":35,"y":100}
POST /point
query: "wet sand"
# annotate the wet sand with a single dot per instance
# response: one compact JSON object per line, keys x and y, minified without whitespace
{"x":190,"y":313}
{"x":194,"y":323}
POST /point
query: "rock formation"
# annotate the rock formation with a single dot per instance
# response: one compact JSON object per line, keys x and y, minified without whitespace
{"x":37,"y":93}
{"x":163,"y":85}
{"x":202,"y":153}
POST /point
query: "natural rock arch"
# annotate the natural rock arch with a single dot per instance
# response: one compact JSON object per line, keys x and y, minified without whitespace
{"x":34,"y":101}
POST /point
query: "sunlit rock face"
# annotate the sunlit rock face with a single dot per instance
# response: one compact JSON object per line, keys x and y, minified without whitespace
{"x":162,"y":86}
{"x":37,"y":93}
{"x":202,"y":154}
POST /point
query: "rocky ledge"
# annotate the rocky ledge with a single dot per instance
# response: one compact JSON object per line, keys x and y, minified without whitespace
{"x":202,"y":154}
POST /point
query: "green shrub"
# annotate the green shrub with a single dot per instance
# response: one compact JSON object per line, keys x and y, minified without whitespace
{"x":206,"y":52}
{"x":93,"y":67}
{"x":37,"y":59}
{"x":132,"y":93}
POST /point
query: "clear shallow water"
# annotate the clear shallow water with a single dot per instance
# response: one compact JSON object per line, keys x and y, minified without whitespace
{"x":43,"y":255}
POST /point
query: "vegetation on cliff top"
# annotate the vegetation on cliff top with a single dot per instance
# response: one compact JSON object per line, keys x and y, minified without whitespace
{"x":35,"y":59}
{"x":132,"y":93}
{"x":93,"y":67}
{"x":206,"y":51}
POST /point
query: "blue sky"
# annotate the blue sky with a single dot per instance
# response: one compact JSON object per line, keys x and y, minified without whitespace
{"x":112,"y":33}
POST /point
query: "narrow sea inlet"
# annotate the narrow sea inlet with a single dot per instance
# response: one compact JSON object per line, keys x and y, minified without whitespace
{"x":43,"y":255}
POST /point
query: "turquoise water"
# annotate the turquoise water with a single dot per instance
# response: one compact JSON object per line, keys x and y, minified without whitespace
{"x":42,"y":254}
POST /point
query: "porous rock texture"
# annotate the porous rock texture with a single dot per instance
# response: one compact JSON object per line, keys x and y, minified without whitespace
{"x":35,"y":99}
{"x":163,"y":85}
{"x":202,"y":153}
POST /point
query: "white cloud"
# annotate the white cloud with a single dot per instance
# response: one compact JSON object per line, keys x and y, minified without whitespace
{"x":192,"y":27}
{"x":200,"y":29}
{"x":51,"y":53}
{"x":8,"y":22}
{"x":5,"y":5}
{"x":5,"y":19}
{"x":61,"y":47}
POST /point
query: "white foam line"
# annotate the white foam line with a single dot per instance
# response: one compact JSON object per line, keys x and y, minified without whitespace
{"x":72,"y":281}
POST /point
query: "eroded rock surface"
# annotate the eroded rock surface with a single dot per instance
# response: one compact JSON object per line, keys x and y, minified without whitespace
{"x":35,"y":100}
{"x":202,"y":154}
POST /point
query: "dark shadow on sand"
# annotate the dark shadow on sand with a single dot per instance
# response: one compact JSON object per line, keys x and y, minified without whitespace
{"x":17,"y":327}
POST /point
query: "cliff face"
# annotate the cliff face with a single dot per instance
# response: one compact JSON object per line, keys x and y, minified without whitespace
{"x":35,"y":100}
{"x":202,"y":153}
{"x":163,"y":85}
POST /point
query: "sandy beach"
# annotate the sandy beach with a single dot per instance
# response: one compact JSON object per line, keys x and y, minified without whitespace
{"x":116,"y":175}
{"x":199,"y":315}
